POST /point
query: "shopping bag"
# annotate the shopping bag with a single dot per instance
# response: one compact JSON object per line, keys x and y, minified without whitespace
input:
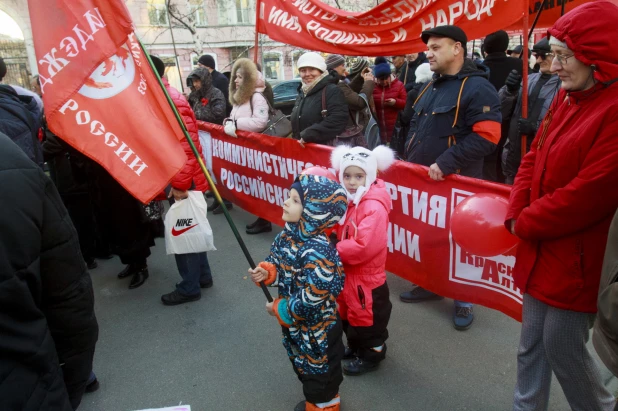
{"x":186,"y":227}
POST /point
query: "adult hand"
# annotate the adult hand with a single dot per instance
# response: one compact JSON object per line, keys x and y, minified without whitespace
{"x":178,"y":194}
{"x":390,"y":101}
{"x":513,"y":82}
{"x":258,"y":274}
{"x":367,"y":76}
{"x":230,"y":128}
{"x":269,"y":308}
{"x":526,"y":127}
{"x":435,"y":173}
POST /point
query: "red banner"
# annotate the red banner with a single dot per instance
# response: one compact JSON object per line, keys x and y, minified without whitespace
{"x":100,"y":94}
{"x":551,"y":12}
{"x":256,"y":171}
{"x":391,"y":28}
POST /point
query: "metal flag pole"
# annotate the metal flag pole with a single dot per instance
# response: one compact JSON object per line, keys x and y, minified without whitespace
{"x":208,"y":177}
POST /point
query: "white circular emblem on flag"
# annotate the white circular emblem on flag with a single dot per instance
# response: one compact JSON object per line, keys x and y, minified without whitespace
{"x":112,"y":76}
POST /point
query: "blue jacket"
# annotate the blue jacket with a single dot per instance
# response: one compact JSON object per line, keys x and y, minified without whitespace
{"x":310,"y":274}
{"x":456,"y":145}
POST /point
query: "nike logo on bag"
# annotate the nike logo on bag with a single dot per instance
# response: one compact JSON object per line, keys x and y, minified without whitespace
{"x":176,"y":233}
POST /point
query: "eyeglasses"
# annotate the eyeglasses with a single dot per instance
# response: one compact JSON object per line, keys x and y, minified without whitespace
{"x":562,"y":59}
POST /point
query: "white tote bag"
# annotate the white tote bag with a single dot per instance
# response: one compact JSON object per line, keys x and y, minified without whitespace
{"x":186,"y":227}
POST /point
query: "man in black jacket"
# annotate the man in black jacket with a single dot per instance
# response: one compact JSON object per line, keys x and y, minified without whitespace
{"x":456,"y":122}
{"x":218,"y":80}
{"x":407,"y":76}
{"x":48,"y":329}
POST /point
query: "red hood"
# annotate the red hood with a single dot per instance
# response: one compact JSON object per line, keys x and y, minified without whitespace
{"x":590,"y":30}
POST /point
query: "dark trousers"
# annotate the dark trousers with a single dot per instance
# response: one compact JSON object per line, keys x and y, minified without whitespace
{"x":361,"y":340}
{"x":319,"y":388}
{"x":82,"y":215}
{"x":194,"y":269}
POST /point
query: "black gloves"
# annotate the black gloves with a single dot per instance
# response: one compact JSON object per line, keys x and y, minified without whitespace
{"x":527,"y":127}
{"x":513,"y":81}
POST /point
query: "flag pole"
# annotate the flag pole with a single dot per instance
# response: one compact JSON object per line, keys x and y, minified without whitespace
{"x":257,"y":20}
{"x":524,"y":95}
{"x":207,"y":174}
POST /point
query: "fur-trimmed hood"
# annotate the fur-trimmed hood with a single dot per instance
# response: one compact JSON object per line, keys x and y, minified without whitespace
{"x":253,"y":81}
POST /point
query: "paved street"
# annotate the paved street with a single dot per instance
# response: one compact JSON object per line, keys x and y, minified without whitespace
{"x":224,"y":352}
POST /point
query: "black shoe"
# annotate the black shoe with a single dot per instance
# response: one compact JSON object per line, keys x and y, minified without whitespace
{"x":262,"y":227}
{"x":253,"y":224}
{"x":300,"y":406}
{"x":219,"y":210}
{"x":213,"y":206}
{"x":349,"y":354}
{"x":93,"y":386}
{"x":139,"y":278}
{"x":206,"y":284}
{"x":175,"y":298}
{"x":92,"y":264}
{"x":129,"y":270}
{"x":359,"y":367}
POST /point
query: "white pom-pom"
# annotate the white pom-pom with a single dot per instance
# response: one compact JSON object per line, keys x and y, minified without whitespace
{"x":385,"y":157}
{"x":337,"y":156}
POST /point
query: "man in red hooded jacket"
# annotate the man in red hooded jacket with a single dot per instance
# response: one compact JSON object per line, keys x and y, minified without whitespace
{"x":561,"y":206}
{"x":193,"y":268}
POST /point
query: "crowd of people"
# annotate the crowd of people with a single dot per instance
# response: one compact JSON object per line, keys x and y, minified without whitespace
{"x":453,"y":113}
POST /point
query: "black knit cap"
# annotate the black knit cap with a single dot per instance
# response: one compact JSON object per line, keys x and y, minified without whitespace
{"x":159,"y":65}
{"x":451,"y":32}
{"x":208,"y":61}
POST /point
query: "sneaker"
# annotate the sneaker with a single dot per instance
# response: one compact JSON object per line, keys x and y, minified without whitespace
{"x":175,"y":298}
{"x":419,"y":295}
{"x":206,"y":284}
{"x":139,"y":278}
{"x":359,"y":367}
{"x":463,"y":317}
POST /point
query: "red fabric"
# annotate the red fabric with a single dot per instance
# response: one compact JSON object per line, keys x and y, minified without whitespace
{"x":191,"y":171}
{"x":101,"y":95}
{"x":387,"y":115}
{"x":388,"y":29}
{"x":255,"y":172}
{"x":363,"y":250}
{"x":563,"y":200}
{"x":489,"y":130}
{"x":590,"y":31}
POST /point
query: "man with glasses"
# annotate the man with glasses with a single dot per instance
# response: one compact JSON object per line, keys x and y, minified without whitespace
{"x":542,"y":87}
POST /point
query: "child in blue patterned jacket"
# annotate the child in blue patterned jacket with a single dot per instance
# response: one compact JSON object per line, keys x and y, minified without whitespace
{"x":310,"y":279}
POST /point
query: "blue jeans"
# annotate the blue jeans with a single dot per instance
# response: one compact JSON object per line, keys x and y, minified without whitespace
{"x":193,"y":269}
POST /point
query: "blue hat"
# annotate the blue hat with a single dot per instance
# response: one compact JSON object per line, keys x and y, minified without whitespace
{"x":382,"y":70}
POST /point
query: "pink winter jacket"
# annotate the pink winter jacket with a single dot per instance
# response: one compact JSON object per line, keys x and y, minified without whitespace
{"x":254,"y":118}
{"x":363,"y":246}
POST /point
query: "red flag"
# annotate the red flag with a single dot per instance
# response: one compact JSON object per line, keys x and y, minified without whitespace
{"x":102,"y":97}
{"x":393,"y":27}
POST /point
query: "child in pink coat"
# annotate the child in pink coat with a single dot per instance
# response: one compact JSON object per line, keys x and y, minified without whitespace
{"x":364,"y":304}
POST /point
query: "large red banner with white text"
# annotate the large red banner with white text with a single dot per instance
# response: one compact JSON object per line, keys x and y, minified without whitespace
{"x":255,"y":172}
{"x":391,"y":28}
{"x":100,"y":94}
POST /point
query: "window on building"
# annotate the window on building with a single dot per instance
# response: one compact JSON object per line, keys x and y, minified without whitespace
{"x":295,"y":56}
{"x":157,"y":12}
{"x":236,"y":11}
{"x":238,"y":52}
{"x":196,"y":8}
{"x":273,"y":66}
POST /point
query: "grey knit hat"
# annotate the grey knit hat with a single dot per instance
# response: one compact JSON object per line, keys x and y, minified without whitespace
{"x":358,"y":67}
{"x":334,"y":61}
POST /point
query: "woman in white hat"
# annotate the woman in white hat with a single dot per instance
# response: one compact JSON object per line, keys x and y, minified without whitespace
{"x":320,"y":112}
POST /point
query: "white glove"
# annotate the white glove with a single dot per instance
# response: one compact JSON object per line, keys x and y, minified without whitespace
{"x":230,"y":128}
